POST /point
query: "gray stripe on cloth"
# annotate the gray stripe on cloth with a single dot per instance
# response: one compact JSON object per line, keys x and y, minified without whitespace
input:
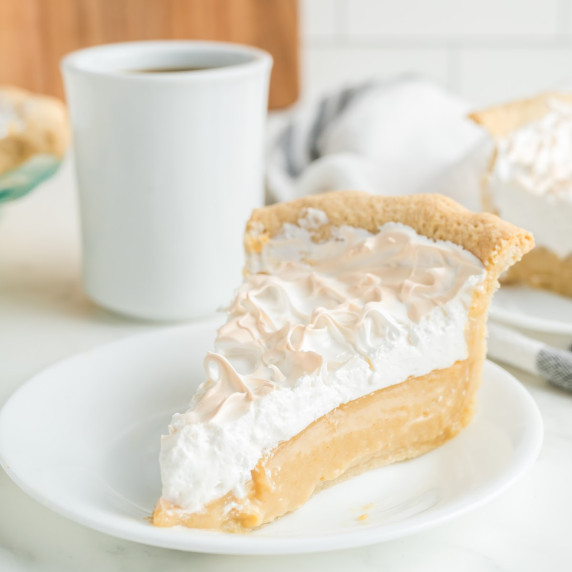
{"x":285,"y":143}
{"x":556,"y":366}
{"x":330,"y":108}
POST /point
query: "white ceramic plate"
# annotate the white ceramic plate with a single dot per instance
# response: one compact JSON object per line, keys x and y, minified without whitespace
{"x":533,"y":309}
{"x":82,"y":437}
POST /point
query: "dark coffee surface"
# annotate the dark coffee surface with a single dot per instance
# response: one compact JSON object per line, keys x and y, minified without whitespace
{"x":174,"y":70}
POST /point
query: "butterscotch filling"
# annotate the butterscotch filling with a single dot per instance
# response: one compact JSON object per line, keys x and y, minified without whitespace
{"x":392,"y":424}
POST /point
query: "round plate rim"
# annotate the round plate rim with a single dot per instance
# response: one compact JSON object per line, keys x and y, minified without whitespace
{"x":233,"y":544}
{"x":522,"y":320}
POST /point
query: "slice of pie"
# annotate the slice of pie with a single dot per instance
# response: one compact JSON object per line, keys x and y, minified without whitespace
{"x":356,"y":340}
{"x":30,"y":124}
{"x":529,"y":183}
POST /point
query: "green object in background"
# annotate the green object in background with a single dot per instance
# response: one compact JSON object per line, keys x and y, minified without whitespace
{"x":17,"y":182}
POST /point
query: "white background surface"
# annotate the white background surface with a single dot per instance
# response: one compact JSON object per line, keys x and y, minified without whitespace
{"x":487,"y":50}
{"x":44,"y":317}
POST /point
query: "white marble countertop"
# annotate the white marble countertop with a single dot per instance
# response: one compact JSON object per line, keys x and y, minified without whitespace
{"x":44,"y":317}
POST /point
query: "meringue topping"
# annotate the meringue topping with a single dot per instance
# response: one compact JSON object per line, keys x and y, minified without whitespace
{"x":531,"y":181}
{"x":315,"y":324}
{"x":538,"y":156}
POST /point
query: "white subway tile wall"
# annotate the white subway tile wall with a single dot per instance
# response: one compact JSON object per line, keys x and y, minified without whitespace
{"x":489,"y":51}
{"x":451,"y":19}
{"x":328,"y":67}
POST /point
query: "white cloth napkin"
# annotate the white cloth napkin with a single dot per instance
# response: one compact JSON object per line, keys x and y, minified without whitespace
{"x":403,"y":136}
{"x":528,"y":354}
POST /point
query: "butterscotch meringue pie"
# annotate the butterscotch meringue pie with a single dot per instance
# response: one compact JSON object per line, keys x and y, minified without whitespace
{"x":355,"y":340}
{"x":529,"y":183}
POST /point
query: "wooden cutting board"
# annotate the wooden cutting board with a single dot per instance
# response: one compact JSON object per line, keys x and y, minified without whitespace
{"x":36,"y":34}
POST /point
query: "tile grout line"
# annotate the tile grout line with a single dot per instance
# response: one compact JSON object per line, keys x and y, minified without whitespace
{"x":564,"y":15}
{"x":453,"y":67}
{"x":341,"y":35}
{"x":504,"y":43}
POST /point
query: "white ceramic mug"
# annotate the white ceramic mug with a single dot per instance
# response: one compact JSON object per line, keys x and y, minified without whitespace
{"x":169,"y":166}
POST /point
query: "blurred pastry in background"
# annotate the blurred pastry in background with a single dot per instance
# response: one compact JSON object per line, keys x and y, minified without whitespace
{"x":34,"y":136}
{"x":529,"y":183}
{"x":30,"y":124}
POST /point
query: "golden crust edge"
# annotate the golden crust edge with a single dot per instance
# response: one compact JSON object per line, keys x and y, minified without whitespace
{"x":501,"y":120}
{"x":495,"y":242}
